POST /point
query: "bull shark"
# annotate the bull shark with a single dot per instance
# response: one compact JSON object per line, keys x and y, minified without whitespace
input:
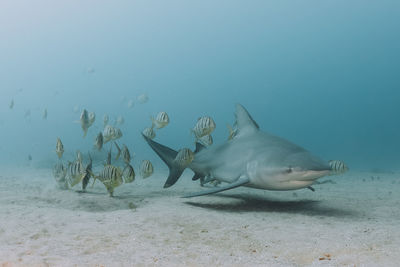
{"x":253,"y":158}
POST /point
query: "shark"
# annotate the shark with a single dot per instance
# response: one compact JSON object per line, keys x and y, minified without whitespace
{"x":253,"y":158}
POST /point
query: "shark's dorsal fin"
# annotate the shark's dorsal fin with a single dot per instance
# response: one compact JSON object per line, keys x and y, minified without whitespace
{"x":244,"y":122}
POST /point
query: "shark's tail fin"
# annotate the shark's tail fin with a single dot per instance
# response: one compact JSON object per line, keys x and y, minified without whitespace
{"x":167,"y":155}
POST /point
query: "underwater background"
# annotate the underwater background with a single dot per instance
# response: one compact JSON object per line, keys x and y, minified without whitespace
{"x":323,"y":74}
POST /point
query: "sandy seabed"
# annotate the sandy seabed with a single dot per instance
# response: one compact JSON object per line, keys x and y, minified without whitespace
{"x":352,"y":220}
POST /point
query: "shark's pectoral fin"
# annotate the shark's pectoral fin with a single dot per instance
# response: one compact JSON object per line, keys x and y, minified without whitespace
{"x":240,"y":182}
{"x":197,"y":176}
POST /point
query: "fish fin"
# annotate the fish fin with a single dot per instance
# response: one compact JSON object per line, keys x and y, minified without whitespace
{"x":119,"y":151}
{"x":240,"y":182}
{"x":84,"y":133}
{"x":199,"y":147}
{"x":167,"y":155}
{"x":77,"y":181}
{"x":245,"y":123}
{"x":311,"y":188}
{"x":197,"y":176}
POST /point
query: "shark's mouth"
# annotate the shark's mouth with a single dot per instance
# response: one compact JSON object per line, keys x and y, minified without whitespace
{"x":312,"y":175}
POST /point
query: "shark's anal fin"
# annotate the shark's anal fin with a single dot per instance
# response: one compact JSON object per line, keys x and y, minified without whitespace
{"x":240,"y":182}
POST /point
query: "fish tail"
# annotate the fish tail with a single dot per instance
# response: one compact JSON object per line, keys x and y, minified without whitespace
{"x":167,"y":155}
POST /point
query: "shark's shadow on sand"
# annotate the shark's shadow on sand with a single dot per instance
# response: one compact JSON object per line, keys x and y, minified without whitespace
{"x":252,"y":203}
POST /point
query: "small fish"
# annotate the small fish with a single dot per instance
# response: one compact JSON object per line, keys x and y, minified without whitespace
{"x":92,"y":118}
{"x":126,"y":155}
{"x":120,"y":120}
{"x":146,"y":169}
{"x":204,"y":126}
{"x":161,"y":120}
{"x":106,"y":119}
{"x":59,"y":148}
{"x":128,"y":174}
{"x":99,"y":141}
{"x":111,"y":177}
{"x":131,"y":103}
{"x":108,"y":133}
{"x":149,"y":132}
{"x":59,"y":173}
{"x":75,"y":172}
{"x":184,"y":157}
{"x":119,"y":151}
{"x":143,"y":98}
{"x":79,"y":156}
{"x":232,"y":132}
{"x":206,"y":140}
{"x":75,"y":109}
{"x":45,"y":114}
{"x":29,"y":157}
{"x":84,"y":121}
{"x":91,"y":70}
{"x":117,"y":134}
{"x":88,"y":172}
{"x":11,"y":104}
{"x":338,"y":166}
{"x":27,"y":113}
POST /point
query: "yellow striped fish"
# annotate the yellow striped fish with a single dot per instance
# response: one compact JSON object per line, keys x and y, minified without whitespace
{"x":128,"y":174}
{"x":75,"y":172}
{"x":59,"y":148}
{"x":149,"y":132}
{"x":338,"y":166}
{"x":184,"y":157}
{"x":111,"y":177}
{"x":146,"y":169}
{"x":59,"y":173}
{"x":204,"y":126}
{"x":161,"y":120}
{"x":206,"y":140}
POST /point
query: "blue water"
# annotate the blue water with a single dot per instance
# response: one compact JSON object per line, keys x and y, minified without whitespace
{"x":323,"y":74}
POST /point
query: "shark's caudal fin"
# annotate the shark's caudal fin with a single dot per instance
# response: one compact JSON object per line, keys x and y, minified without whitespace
{"x":244,"y":122}
{"x":240,"y":182}
{"x":167,"y":155}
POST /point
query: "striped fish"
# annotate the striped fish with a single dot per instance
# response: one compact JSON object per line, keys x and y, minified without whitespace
{"x":161,"y":120}
{"x":108,"y":133}
{"x":99,"y":141}
{"x":59,"y":173}
{"x":75,"y":172}
{"x":206,"y":140}
{"x":128,"y":174}
{"x":111,"y":177}
{"x":84,"y":121}
{"x":117,"y":134}
{"x":59,"y":148}
{"x":88,"y":174}
{"x":126,"y":155}
{"x":149,"y":132}
{"x":146,"y":169}
{"x":120,"y":120}
{"x":204,"y":126}
{"x":184,"y":157}
{"x":92,"y":118}
{"x":338,"y":166}
{"x":106,"y":119}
